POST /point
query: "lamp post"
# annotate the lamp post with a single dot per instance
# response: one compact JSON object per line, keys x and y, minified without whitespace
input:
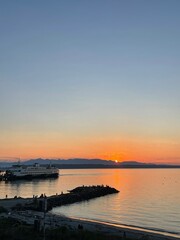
{"x":45,"y":209}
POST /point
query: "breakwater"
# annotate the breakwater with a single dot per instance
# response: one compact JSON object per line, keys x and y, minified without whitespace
{"x":78,"y":194}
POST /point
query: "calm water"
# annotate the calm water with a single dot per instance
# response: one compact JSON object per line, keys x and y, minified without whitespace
{"x":149,"y":198}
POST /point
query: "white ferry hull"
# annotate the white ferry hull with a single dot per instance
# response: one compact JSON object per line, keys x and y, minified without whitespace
{"x":11,"y":177}
{"x":30,"y":172}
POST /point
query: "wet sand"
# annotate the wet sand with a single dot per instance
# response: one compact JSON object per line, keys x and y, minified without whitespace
{"x":116,"y":229}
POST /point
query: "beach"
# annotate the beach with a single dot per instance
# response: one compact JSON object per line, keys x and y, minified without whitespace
{"x":55,"y":221}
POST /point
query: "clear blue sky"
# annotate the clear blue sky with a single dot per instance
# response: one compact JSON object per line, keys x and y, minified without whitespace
{"x":79,"y":76}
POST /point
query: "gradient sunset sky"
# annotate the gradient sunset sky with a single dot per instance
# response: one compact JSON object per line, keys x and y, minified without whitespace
{"x":90,"y":79}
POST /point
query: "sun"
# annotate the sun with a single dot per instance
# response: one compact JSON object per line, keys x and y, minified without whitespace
{"x":116,"y":161}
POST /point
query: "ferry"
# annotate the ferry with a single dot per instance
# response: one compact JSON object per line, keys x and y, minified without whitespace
{"x":29,"y":172}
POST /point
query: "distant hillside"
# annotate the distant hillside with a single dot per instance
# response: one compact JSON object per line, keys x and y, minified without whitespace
{"x":89,"y":163}
{"x":74,"y":161}
{"x":5,"y":164}
{"x":70,"y":161}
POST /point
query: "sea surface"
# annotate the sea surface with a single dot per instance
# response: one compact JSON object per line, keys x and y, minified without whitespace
{"x":148,"y":198}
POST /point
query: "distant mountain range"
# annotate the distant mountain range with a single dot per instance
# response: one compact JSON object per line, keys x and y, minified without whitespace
{"x":89,"y":163}
{"x":71,"y":161}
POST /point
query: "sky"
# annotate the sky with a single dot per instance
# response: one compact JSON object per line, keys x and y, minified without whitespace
{"x":90,"y":79}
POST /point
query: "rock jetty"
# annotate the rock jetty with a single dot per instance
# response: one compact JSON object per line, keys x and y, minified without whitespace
{"x":78,"y":194}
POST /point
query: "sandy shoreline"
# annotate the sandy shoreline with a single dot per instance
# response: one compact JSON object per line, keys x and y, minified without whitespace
{"x":116,"y":229}
{"x":55,"y":220}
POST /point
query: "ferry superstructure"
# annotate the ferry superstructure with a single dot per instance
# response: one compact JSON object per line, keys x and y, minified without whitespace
{"x":28,"y":172}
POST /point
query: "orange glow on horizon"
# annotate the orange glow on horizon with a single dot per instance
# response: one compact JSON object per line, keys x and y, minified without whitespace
{"x":120,"y":149}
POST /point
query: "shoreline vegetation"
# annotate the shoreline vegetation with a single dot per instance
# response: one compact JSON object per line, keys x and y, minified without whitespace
{"x":31,"y":215}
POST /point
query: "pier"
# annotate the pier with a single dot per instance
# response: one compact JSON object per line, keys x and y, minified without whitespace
{"x":43,"y":202}
{"x":78,"y":194}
